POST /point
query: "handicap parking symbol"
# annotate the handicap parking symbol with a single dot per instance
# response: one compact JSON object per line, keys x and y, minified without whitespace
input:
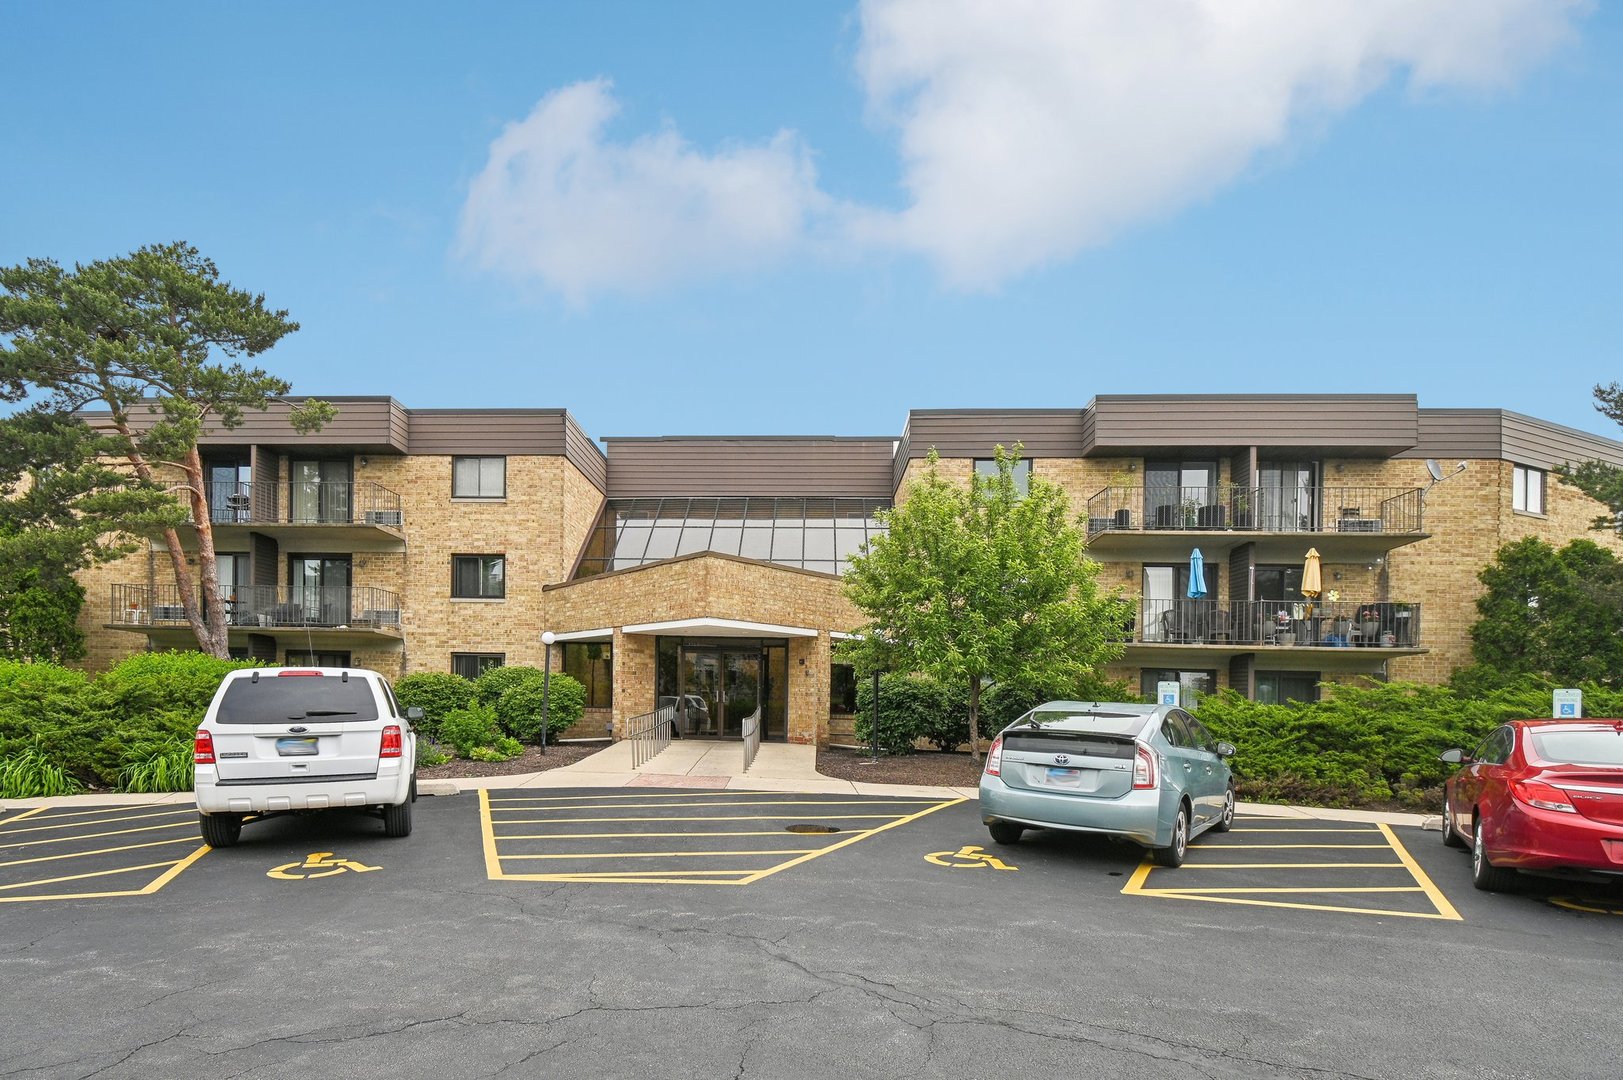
{"x":968,"y":857}
{"x":317,"y":864}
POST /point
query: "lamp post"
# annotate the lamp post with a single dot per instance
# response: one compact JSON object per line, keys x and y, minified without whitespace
{"x":547,"y":638}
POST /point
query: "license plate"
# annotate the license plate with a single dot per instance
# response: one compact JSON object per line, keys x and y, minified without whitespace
{"x":1057,"y":777}
{"x":298,"y":746}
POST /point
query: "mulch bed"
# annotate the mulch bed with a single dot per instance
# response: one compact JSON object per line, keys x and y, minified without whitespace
{"x":927,"y":767}
{"x":532,"y":760}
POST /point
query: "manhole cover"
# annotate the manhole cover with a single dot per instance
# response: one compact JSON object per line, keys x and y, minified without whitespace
{"x":812,"y":828}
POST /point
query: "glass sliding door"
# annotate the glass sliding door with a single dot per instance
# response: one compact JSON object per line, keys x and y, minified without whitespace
{"x":1180,"y":494}
{"x":1287,"y":492}
{"x":319,"y":592}
{"x":716,"y":685}
{"x":320,"y":492}
{"x":228,"y":488}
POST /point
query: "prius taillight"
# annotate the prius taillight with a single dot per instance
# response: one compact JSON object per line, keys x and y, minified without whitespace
{"x":994,"y":758}
{"x":392,"y":746}
{"x":1144,"y":768}
{"x":203,"y":749}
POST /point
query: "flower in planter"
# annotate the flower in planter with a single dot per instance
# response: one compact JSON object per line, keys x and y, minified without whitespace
{"x":1369,"y":615}
{"x":1282,"y":618}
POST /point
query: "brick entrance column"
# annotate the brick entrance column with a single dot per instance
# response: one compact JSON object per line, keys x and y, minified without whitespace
{"x":808,"y":689}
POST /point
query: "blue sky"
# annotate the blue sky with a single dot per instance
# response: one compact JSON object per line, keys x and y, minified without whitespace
{"x":1416,"y":222}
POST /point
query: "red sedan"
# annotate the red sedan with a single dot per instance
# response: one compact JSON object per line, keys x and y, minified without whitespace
{"x":1539,"y":795}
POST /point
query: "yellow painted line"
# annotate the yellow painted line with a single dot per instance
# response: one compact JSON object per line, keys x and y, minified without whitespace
{"x":117,"y":808}
{"x":100,"y":851}
{"x":1444,"y":908}
{"x":610,"y":879}
{"x":662,"y":854}
{"x":91,"y":874}
{"x":637,"y":795}
{"x":94,"y":835}
{"x":617,"y":835}
{"x":157,"y":883}
{"x":1281,"y":847}
{"x":763,"y":802}
{"x":93,"y":824}
{"x":1304,"y":830}
{"x":1172,"y":895}
{"x":1135,"y":884}
{"x":774,"y":817}
{"x":853,"y":839}
{"x":1294,"y":866}
{"x":24,"y":814}
{"x":493,"y":865}
{"x":1308,"y":889}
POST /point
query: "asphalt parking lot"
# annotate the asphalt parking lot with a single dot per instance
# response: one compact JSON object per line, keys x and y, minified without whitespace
{"x":568,"y":933}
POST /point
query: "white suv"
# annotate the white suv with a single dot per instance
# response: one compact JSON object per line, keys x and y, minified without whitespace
{"x":281,"y":739}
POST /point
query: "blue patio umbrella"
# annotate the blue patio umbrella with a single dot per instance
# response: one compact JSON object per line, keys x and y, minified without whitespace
{"x":1197,"y":575}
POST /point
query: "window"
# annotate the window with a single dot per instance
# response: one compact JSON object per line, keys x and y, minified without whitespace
{"x":316,"y":659}
{"x":478,"y":478}
{"x":591,"y":663}
{"x":471,"y":665}
{"x":479,"y":577}
{"x":1280,"y":687}
{"x":1181,"y":495}
{"x":842,"y":697}
{"x":1191,"y":684}
{"x":1527,"y":490}
{"x":986,"y":469}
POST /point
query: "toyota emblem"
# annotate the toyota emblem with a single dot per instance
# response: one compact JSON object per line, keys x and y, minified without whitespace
{"x":1062,"y":759}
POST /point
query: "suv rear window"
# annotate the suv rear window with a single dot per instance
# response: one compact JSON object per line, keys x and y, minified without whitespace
{"x":276,"y":700}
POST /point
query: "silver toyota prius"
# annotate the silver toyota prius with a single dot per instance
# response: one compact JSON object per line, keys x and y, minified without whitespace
{"x":1150,"y":773}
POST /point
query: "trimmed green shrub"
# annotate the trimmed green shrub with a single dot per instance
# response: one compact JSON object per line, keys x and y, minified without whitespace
{"x":430,"y":755}
{"x":471,"y":728}
{"x":911,"y":707}
{"x":163,"y":682}
{"x":516,"y":694}
{"x":437,"y":693}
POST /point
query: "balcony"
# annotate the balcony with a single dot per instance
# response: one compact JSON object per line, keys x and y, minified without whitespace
{"x":1346,"y":523}
{"x":332,"y":515}
{"x":1344,"y":635}
{"x":335,"y":615}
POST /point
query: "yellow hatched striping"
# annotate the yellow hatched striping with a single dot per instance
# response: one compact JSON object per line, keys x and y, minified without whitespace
{"x":626,"y":835}
{"x":95,"y":835}
{"x":175,"y":869}
{"x":729,"y":805}
{"x":96,"y":823}
{"x":1294,"y":866}
{"x":81,"y":877}
{"x":663,"y":854}
{"x":99,"y":851}
{"x":770,"y":817}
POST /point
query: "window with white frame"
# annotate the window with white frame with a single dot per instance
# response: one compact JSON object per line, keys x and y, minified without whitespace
{"x":1527,"y":490}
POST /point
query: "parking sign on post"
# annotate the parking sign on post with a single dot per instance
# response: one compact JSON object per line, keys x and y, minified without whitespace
{"x":1166,"y":693}
{"x":1569,"y":705}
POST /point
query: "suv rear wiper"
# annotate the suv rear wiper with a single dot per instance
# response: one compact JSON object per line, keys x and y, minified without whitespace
{"x":323,"y":712}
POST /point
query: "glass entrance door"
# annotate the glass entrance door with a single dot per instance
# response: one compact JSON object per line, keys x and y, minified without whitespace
{"x":721,"y":686}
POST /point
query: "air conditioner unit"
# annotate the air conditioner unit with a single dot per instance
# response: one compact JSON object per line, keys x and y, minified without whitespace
{"x":383,"y":517}
{"x":168,"y":613}
{"x":381,"y":616}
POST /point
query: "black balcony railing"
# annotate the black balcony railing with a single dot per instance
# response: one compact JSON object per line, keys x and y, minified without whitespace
{"x":301,"y":502}
{"x":1330,"y":624}
{"x":1256,"y":509}
{"x":319,"y":606}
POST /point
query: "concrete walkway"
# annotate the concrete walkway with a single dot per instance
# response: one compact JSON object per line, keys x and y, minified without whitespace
{"x":692,"y":763}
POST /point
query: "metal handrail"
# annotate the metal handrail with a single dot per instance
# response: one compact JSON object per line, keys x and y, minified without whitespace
{"x":752,"y":737}
{"x":1324,"y":623}
{"x":1232,"y":507}
{"x":650,"y":733}
{"x":300,"y":502}
{"x":318,"y":606}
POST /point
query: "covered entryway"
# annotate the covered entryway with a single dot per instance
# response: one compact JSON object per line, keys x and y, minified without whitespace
{"x":721,"y":683}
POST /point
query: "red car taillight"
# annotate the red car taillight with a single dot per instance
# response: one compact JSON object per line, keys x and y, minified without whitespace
{"x":391,"y":742}
{"x":203,"y":749}
{"x":994,"y":758}
{"x":1144,"y":768}
{"x":1543,"y":796}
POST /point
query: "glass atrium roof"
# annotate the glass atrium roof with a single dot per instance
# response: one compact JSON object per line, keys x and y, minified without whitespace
{"x":810,"y":534}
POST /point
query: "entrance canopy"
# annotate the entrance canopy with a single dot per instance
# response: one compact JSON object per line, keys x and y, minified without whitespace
{"x":719,"y":628}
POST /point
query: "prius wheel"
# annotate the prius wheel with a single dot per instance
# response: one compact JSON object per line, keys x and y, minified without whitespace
{"x":1004,"y":833}
{"x":397,"y":820}
{"x":1226,"y":822}
{"x":1485,"y":875}
{"x":220,"y":830}
{"x":1173,"y":853}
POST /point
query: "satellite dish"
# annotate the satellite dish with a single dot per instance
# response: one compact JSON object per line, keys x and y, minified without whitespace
{"x":1435,"y":469}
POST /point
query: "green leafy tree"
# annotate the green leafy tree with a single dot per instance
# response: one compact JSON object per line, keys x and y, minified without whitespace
{"x":980,"y":584}
{"x":1552,"y":613}
{"x":62,"y":508}
{"x":145,"y":336}
{"x":1599,"y":480}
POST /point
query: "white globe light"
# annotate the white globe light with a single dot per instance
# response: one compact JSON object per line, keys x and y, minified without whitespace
{"x":548,"y":637}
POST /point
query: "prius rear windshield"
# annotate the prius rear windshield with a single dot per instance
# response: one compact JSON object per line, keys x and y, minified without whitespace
{"x":1103,"y":721}
{"x":1579,"y":747}
{"x":322,"y":699}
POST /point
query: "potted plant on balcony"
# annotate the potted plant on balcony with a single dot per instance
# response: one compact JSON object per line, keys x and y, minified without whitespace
{"x":1284,"y":629}
{"x":1369,"y":625}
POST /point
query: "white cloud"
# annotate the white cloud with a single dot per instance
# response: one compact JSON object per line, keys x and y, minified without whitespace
{"x":559,"y":202}
{"x":1028,"y":130}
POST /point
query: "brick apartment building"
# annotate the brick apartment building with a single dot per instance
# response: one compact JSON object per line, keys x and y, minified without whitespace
{"x":705,"y":570}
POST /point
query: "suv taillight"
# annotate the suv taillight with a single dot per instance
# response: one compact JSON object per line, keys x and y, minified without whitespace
{"x":1144,"y":768}
{"x":994,"y":758}
{"x":203,"y":749}
{"x":391,"y":742}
